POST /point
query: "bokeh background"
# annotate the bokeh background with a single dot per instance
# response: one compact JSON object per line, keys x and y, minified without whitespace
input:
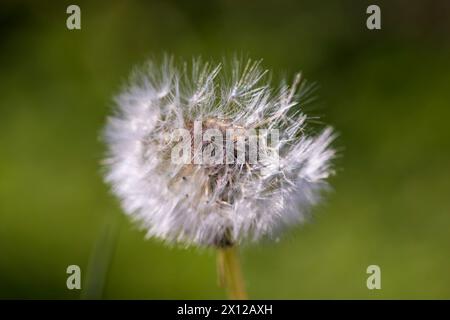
{"x":386,"y":92}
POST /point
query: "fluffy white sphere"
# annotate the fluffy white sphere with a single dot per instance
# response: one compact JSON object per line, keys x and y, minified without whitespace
{"x":219,"y":204}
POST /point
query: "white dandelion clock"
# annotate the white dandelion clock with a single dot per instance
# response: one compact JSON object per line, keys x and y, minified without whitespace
{"x":214,"y":156}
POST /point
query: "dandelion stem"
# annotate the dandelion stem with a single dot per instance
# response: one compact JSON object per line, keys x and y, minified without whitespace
{"x":230,"y":273}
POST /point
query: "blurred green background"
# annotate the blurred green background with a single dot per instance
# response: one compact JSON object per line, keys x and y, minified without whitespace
{"x":386,"y":92}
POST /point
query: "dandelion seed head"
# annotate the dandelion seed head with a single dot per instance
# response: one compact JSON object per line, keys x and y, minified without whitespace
{"x":214,"y":204}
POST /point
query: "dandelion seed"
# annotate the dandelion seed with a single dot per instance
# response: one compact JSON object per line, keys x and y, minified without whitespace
{"x":219,"y":204}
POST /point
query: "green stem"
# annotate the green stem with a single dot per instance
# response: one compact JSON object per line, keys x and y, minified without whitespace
{"x":230,"y":273}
